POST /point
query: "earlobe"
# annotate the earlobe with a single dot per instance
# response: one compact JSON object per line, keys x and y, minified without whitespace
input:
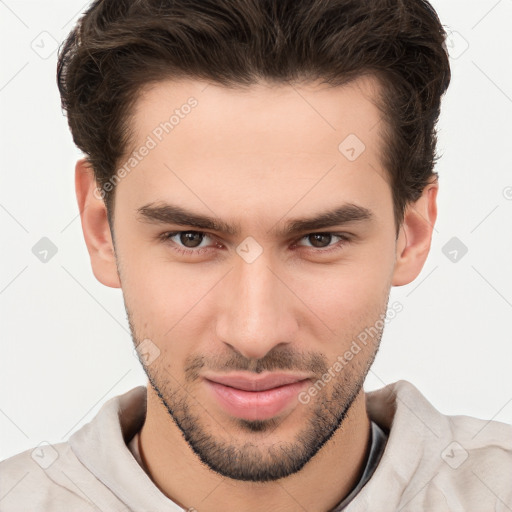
{"x":95,"y":227}
{"x":415,"y":236}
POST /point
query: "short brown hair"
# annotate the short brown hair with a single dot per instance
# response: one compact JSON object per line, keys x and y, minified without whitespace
{"x":119,"y":46}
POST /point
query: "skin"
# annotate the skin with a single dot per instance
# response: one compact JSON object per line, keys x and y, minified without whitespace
{"x":255,"y":159}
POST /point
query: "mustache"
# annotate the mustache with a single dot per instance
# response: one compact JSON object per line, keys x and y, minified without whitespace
{"x":279,"y":358}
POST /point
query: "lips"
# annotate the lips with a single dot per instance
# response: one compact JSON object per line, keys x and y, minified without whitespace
{"x":258,"y":382}
{"x":255,"y":397}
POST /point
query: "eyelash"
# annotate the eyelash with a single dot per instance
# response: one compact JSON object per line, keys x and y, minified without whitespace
{"x":165,"y":237}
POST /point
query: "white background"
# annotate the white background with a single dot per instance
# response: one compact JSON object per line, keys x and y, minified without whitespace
{"x":65,"y":342}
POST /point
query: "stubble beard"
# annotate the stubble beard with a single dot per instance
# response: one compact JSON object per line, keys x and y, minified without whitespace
{"x":246,"y":460}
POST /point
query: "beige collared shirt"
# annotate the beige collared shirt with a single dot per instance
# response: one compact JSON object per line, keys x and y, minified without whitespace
{"x":431,"y":462}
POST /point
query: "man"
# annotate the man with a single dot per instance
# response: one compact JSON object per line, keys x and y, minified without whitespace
{"x":258,"y":174}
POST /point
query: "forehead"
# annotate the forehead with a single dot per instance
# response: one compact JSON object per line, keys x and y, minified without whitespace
{"x":215,"y":145}
{"x":234,"y":116}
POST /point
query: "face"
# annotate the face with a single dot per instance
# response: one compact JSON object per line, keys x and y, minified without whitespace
{"x":253,"y":250}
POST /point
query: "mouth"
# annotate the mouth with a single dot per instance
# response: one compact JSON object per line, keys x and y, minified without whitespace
{"x":256,"y":397}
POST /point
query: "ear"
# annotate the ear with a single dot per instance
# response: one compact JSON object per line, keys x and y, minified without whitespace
{"x":415,"y":236}
{"x":97,"y":235}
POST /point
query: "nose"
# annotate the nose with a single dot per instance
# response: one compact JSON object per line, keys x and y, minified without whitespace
{"x":256,"y":311}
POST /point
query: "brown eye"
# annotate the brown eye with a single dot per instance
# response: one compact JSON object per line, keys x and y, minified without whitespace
{"x":320,"y":239}
{"x":324,"y":242}
{"x":191,"y":238}
{"x":187,"y":242}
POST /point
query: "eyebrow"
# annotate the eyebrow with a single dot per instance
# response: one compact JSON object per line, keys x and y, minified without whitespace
{"x":164,"y":213}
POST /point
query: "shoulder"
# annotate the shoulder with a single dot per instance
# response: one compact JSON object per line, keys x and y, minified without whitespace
{"x":475,"y":466}
{"x":26,"y":482}
{"x":46,"y":478}
{"x":436,"y":461}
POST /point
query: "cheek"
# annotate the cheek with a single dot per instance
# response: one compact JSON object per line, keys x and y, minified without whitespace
{"x":153,"y":283}
{"x":351,"y":291}
{"x":167,"y":304}
{"x":352,"y":301}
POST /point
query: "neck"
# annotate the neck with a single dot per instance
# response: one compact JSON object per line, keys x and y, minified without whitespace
{"x":181,"y":476}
